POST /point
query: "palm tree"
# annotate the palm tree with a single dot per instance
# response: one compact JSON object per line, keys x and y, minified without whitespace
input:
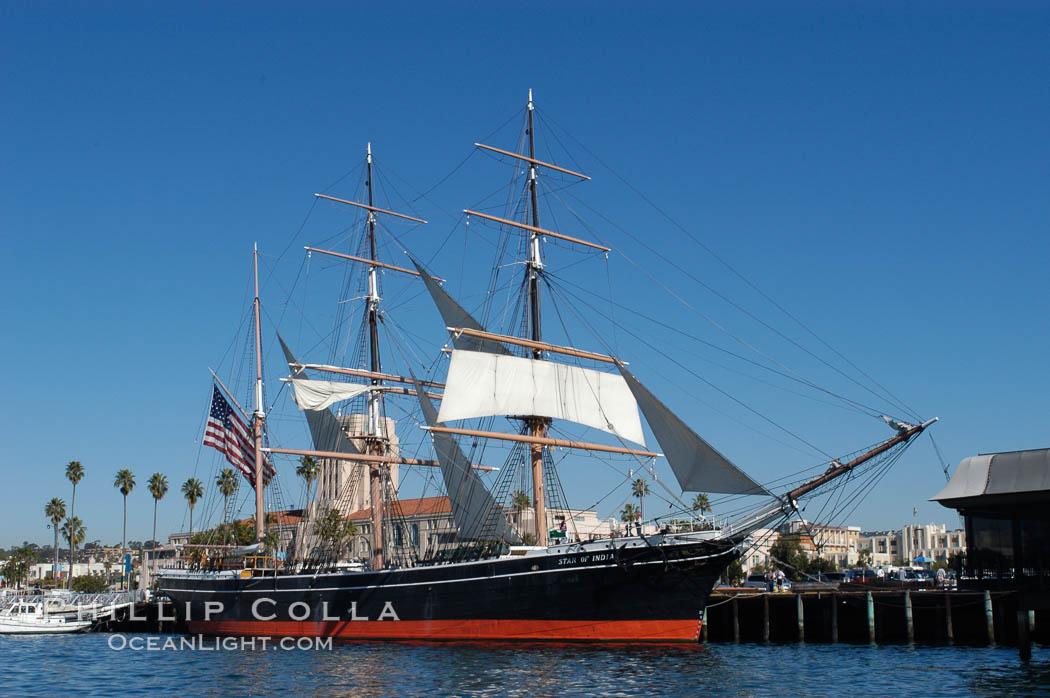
{"x":74,"y":473}
{"x":125,"y":482}
{"x":73,"y":530}
{"x":55,"y":511}
{"x":158,"y":487}
{"x":701,"y":503}
{"x":192,"y":490}
{"x":640,"y":488}
{"x":628,"y":514}
{"x":308,"y":470}
{"x":519,"y":503}
{"x":227,"y":483}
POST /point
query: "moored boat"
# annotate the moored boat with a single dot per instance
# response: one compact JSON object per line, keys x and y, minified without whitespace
{"x":29,"y":618}
{"x":506,"y":576}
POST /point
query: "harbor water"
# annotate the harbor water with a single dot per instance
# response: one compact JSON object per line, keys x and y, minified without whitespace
{"x":109,"y":663}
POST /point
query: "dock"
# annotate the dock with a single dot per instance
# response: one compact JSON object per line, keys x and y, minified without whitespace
{"x":871,"y":616}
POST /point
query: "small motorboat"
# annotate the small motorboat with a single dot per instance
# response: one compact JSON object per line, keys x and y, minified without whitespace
{"x":32,"y":618}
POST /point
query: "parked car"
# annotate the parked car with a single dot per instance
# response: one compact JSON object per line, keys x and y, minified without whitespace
{"x":756,"y":581}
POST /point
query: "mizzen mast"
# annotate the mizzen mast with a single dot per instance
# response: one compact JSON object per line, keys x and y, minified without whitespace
{"x":260,"y":415}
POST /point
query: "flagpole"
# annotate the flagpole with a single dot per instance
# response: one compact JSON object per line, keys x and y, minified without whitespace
{"x":260,"y":417}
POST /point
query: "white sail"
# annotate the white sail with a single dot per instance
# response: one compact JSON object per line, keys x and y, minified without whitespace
{"x":317,"y":395}
{"x":475,"y":512}
{"x":482,"y":384}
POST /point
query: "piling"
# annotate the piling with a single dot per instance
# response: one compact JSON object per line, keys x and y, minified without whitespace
{"x":703,"y":626}
{"x":910,"y":625}
{"x":801,"y":618}
{"x":736,"y":621}
{"x":989,"y":617}
{"x":950,"y":635}
{"x":871,"y":619}
{"x":1024,"y":637}
{"x":834,"y":617}
{"x":765,"y":617}
{"x":1031,"y":622}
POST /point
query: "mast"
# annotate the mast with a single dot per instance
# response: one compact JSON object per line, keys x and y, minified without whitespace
{"x":374,"y":396}
{"x":260,"y":416}
{"x":537,"y":425}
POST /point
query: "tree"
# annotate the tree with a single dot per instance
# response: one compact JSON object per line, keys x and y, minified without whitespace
{"x":89,"y":584}
{"x":55,"y":511}
{"x":519,"y":502}
{"x":333,"y":529}
{"x":74,"y":473}
{"x":73,"y":530}
{"x":629,"y":513}
{"x":734,"y":574}
{"x":192,"y":490}
{"x":227,"y":483}
{"x":640,"y":488}
{"x":788,"y":552}
{"x":701,"y":504}
{"x":308,"y":470}
{"x":864,"y":558}
{"x":125,"y":482}
{"x":818,"y":565}
{"x":18,"y":563}
{"x":158,"y":487}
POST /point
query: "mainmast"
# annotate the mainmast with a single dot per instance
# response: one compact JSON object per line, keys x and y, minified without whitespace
{"x":537,"y":425}
{"x":260,"y":416}
{"x":375,"y":437}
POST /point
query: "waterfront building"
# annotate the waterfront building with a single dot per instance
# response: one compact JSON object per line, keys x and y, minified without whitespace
{"x":757,"y":557}
{"x":1004,"y":499}
{"x":883,"y":547}
{"x":932,"y":542}
{"x":42,"y":570}
{"x":839,"y":544}
{"x":425,"y":527}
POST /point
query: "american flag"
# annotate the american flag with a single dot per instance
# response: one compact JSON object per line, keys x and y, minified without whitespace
{"x":227,"y":433}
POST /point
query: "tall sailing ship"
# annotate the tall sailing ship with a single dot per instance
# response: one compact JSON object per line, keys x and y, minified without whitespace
{"x":512,"y":569}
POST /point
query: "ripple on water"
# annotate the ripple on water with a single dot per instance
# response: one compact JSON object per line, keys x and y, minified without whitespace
{"x":86,"y":664}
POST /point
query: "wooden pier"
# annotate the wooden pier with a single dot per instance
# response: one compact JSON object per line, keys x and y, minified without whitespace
{"x":872,"y":617}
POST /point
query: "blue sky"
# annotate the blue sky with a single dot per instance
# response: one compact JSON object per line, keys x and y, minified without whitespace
{"x":881,"y":171}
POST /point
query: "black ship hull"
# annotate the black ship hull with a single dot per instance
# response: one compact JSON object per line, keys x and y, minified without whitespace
{"x":627,"y":590}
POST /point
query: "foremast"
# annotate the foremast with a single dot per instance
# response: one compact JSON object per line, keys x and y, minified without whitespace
{"x":375,"y":441}
{"x":376,"y":451}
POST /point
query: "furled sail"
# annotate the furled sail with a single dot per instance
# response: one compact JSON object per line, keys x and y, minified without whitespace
{"x":475,"y":512}
{"x":696,"y":464}
{"x":324,"y":427}
{"x":455,"y":316}
{"x":318,"y":395}
{"x":480,"y":384}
